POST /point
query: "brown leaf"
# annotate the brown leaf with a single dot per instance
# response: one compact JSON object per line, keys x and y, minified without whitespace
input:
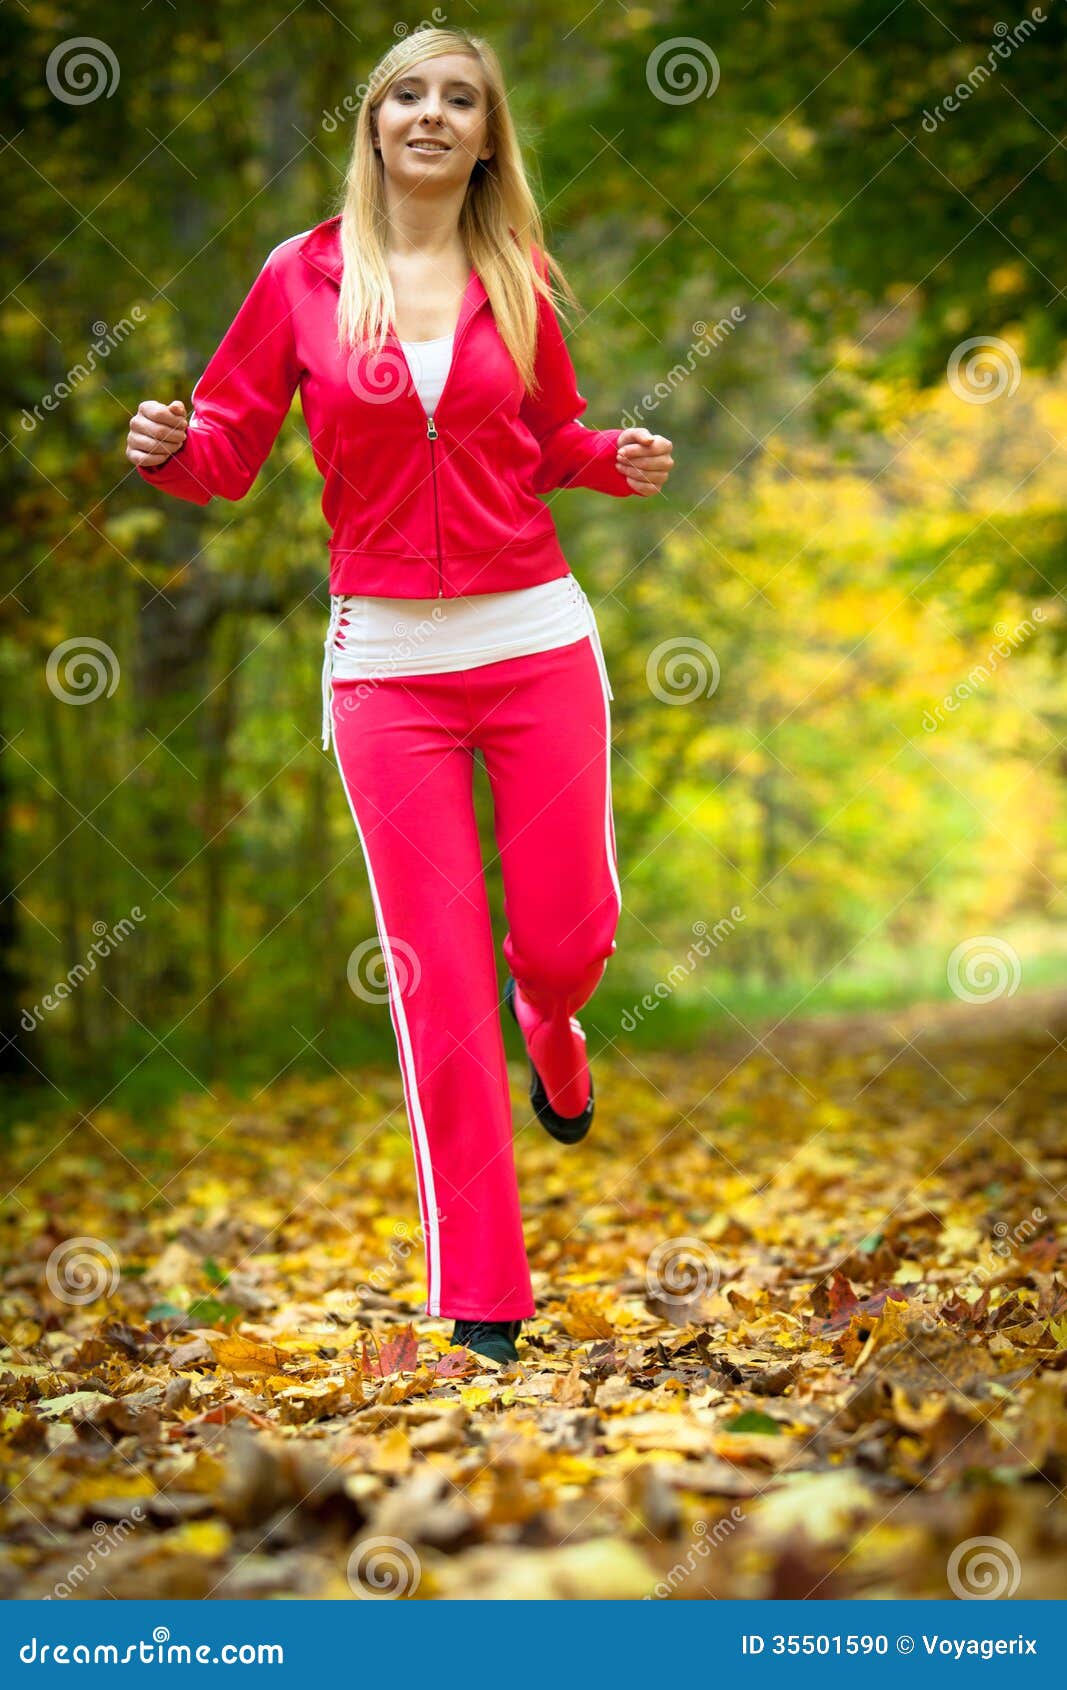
{"x":247,"y":1356}
{"x":571,"y":1390}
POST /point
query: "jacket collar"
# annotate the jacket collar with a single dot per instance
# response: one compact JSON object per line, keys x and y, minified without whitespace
{"x":322,"y":250}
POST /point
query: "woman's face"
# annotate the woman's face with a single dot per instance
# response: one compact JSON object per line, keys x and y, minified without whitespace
{"x":441,"y":100}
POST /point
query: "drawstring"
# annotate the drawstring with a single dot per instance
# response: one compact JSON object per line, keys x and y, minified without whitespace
{"x":594,"y":633}
{"x":336,"y":607}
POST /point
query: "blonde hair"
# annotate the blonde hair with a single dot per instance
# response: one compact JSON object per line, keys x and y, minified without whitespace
{"x":498,"y":222}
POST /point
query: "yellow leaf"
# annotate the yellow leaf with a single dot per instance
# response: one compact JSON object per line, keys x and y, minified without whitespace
{"x":201,"y":1537}
{"x":585,"y":1316}
{"x":474,"y":1396}
{"x":392,"y":1452}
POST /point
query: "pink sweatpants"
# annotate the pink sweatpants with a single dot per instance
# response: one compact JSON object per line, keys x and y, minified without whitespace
{"x":405,"y":747}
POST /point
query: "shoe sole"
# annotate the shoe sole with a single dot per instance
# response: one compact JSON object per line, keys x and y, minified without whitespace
{"x":565,"y":1129}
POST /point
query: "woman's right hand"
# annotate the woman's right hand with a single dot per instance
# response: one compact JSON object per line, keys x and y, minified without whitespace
{"x":156,"y":433}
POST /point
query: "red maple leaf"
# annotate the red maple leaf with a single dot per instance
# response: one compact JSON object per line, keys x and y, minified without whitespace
{"x":836,"y":1303}
{"x":454,"y":1364}
{"x":397,"y":1355}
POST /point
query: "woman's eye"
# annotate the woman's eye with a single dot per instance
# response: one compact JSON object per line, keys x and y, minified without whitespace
{"x":458,"y":99}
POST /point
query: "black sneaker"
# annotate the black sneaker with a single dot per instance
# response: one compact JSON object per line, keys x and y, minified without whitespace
{"x":567,"y":1129}
{"x":493,"y":1338}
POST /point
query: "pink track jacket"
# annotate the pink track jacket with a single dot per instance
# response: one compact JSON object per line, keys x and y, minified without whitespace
{"x":418,"y":506}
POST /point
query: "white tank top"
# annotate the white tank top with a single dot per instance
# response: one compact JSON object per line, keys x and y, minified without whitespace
{"x":370,"y":636}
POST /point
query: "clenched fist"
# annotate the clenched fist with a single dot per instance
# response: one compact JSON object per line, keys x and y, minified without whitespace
{"x":156,"y":433}
{"x":644,"y":459}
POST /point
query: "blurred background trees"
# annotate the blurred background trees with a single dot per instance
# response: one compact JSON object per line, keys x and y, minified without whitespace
{"x":835,"y":284}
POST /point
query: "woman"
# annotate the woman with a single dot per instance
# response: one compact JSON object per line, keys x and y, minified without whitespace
{"x":441,"y":402}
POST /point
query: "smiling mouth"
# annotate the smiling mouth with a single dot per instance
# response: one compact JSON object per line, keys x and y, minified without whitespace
{"x":429,"y":147}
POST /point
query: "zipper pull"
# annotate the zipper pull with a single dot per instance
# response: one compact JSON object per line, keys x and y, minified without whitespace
{"x":431,"y":429}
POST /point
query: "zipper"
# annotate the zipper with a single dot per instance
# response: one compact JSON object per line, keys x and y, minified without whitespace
{"x":431,"y":435}
{"x":431,"y":426}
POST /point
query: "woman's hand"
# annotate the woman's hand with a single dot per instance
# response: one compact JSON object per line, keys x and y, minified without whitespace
{"x":644,"y":459}
{"x":156,"y":433}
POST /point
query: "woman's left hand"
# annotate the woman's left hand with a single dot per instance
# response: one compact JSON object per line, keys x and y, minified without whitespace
{"x":644,"y":459}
